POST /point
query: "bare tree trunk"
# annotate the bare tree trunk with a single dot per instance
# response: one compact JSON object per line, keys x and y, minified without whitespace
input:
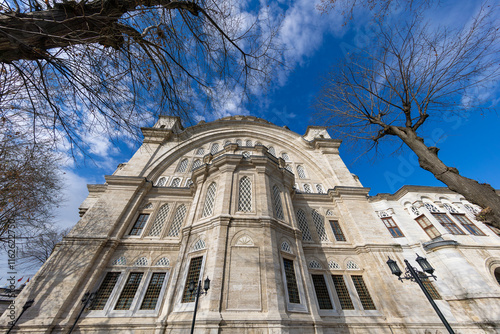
{"x":481,"y":194}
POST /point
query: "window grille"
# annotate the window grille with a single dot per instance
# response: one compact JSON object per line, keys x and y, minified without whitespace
{"x":159,"y":221}
{"x":128,"y":292}
{"x":141,"y":262}
{"x":450,"y":208}
{"x":193,"y":275}
{"x":278,"y":208}
{"x":303,"y":226}
{"x":161,"y":182}
{"x":383,"y":214}
{"x":468,"y":225}
{"x":200,"y":151}
{"x":153,"y":291}
{"x":121,"y":261}
{"x":189,"y":182}
{"x":320,"y":225}
{"x":139,"y":224}
{"x":196,"y":164}
{"x":176,"y":182}
{"x":321,"y":290}
{"x":199,"y":245}
{"x":392,"y":227}
{"x":301,"y":172}
{"x":215,"y":148}
{"x":471,"y":209}
{"x":272,"y":151}
{"x":239,"y":142}
{"x":245,"y":198}
{"x":427,"y":226}
{"x":364,"y":295}
{"x":208,"y":208}
{"x":333,"y":265}
{"x":431,"y":207}
{"x":291,"y":282}
{"x":285,"y":247}
{"x":415,"y":210}
{"x":319,"y":188}
{"x":313,"y":264}
{"x":289,"y":168}
{"x":342,"y":292}
{"x":245,"y":154}
{"x":107,"y":286}
{"x":329,"y":212}
{"x":429,"y":286}
{"x":351,"y":265}
{"x":180,"y":213}
{"x":163,"y":262}
{"x":258,"y":143}
{"x":148,"y":206}
{"x":337,"y":231}
{"x":182,"y":166}
{"x":307,"y":189}
{"x":248,"y":143}
{"x":447,"y":223}
{"x":285,"y":156}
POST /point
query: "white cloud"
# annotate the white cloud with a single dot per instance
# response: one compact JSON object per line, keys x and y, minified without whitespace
{"x":73,"y":193}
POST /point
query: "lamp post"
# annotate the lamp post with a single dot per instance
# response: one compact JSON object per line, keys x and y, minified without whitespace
{"x":412,"y":274}
{"x":87,"y":299}
{"x":26,"y":306}
{"x":191,"y":288}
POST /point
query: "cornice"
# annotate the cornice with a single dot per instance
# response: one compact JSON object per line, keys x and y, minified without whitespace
{"x":339,"y":191}
{"x":114,"y":180}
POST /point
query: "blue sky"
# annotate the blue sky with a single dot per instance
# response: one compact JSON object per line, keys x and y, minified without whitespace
{"x":314,"y":42}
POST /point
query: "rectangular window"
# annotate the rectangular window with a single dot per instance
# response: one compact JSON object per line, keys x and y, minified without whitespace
{"x":139,"y":224}
{"x":291,"y":282}
{"x":342,"y":292}
{"x":153,"y":291}
{"x":467,"y":224}
{"x":430,"y":288}
{"x":337,"y":231}
{"x":427,"y":226}
{"x":193,"y":275}
{"x":107,"y":286}
{"x":364,"y":295}
{"x":322,"y":292}
{"x":392,"y":227}
{"x":448,"y":224}
{"x":128,"y":292}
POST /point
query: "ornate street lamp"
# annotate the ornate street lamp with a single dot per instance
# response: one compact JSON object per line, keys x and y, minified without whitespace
{"x":191,"y":288}
{"x":412,"y":274}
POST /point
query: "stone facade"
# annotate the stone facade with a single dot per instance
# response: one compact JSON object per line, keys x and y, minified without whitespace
{"x":287,"y":235}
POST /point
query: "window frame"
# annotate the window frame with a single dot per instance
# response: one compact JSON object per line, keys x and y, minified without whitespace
{"x":252,"y":194}
{"x":292,"y":307}
{"x":392,"y":228}
{"x":331,"y":221}
{"x":430,"y":227}
{"x":448,"y":224}
{"x":143,"y":228}
{"x":189,"y":306}
{"x":474,"y":226}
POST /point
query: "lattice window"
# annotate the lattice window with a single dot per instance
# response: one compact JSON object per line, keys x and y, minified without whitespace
{"x":285,"y":156}
{"x":227,"y":142}
{"x":415,"y":211}
{"x":159,"y":221}
{"x":129,"y":291}
{"x":163,"y":262}
{"x":285,"y":247}
{"x":176,"y":182}
{"x":392,"y":227}
{"x":471,"y":209}
{"x":319,"y":188}
{"x":161,"y":182}
{"x":258,"y":143}
{"x":196,"y":164}
{"x":272,"y":151}
{"x":364,"y":295}
{"x":429,"y":286}
{"x":427,"y":226}
{"x":450,"y":208}
{"x":321,"y":290}
{"x":208,"y":208}
{"x":107,"y":286}
{"x":319,"y":222}
{"x":342,"y":292}
{"x":245,"y":198}
{"x":141,"y":262}
{"x":307,"y":188}
{"x":301,"y":172}
{"x":239,"y":142}
{"x":351,"y":265}
{"x":139,"y":224}
{"x":430,"y":207}
{"x":278,"y":208}
{"x":248,"y":143}
{"x":200,"y":151}
{"x":337,"y":230}
{"x":180,"y":213}
{"x":246,"y":154}
{"x":304,"y":227}
{"x":289,"y":168}
{"x":329,"y":212}
{"x":313,"y":264}
{"x":153,"y":291}
{"x":448,"y":224}
{"x":199,"y":245}
{"x":291,"y":282}
{"x":215,"y":148}
{"x":468,"y":225}
{"x":333,"y":265}
{"x":148,"y":206}
{"x":193,"y":275}
{"x":121,"y":261}
{"x":189,"y":182}
{"x":182,"y":166}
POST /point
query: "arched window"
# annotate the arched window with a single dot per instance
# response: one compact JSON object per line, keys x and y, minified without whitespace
{"x":200,"y":151}
{"x":333,"y":265}
{"x":301,"y":172}
{"x":199,"y":245}
{"x":278,"y":208}
{"x":182,"y":166}
{"x":121,"y":261}
{"x":239,"y":142}
{"x":351,"y":265}
{"x":285,"y":156}
{"x":161,"y":182}
{"x":313,"y":264}
{"x":159,"y":221}
{"x":245,"y":154}
{"x":163,"y":262}
{"x":248,"y":143}
{"x":215,"y":148}
{"x":208,"y":208}
{"x":303,"y":226}
{"x":180,"y":213}
{"x":450,"y":208}
{"x":272,"y":151}
{"x":196,"y":164}
{"x":258,"y":143}
{"x":141,"y":262}
{"x":307,"y":188}
{"x":176,"y":182}
{"x":319,"y":222}
{"x":430,"y":207}
{"x":245,"y":197}
{"x":285,"y":247}
{"x":319,"y":188}
{"x":188,"y":183}
{"x":289,"y":168}
{"x":227,"y":142}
